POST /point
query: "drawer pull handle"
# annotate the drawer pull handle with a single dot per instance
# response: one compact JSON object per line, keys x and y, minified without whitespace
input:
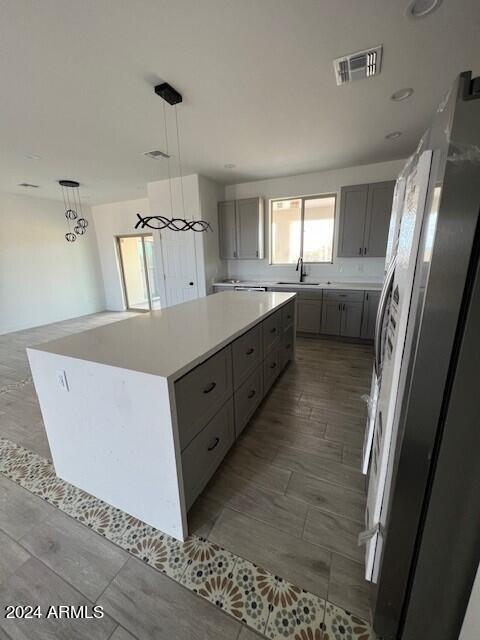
{"x":251,"y":394}
{"x":273,"y":330}
{"x":214,"y":444}
{"x":273,"y":365}
{"x":289,"y":346}
{"x":250,"y":351}
{"x":210,"y":387}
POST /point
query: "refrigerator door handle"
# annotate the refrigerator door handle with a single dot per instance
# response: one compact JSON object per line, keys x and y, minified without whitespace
{"x":382,"y":308}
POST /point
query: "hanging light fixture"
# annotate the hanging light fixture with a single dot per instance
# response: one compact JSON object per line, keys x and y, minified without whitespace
{"x":173,"y":97}
{"x":73,"y":209}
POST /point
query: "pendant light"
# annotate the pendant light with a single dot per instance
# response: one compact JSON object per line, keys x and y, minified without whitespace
{"x":73,"y":209}
{"x":172,"y":97}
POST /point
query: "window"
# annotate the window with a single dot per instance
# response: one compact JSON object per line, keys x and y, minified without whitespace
{"x":302,"y":227}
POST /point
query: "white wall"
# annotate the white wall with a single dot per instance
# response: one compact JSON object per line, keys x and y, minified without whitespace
{"x":211,"y":194}
{"x":112,"y":220}
{"x":471,"y":623}
{"x":44,"y":278}
{"x":343,"y":269}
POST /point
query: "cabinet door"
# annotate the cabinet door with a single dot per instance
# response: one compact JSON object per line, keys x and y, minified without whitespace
{"x":351,"y":319}
{"x":309,"y":315}
{"x":353,"y":211}
{"x":249,"y":228}
{"x":370,"y":307}
{"x":227,"y":230}
{"x":331,"y":317}
{"x":379,"y":211}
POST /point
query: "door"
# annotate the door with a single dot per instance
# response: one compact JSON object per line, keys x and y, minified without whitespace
{"x":309,"y":315}
{"x":331,"y":317}
{"x":351,"y":319}
{"x":379,"y":211}
{"x":179,"y":266}
{"x":249,"y":224}
{"x":138,"y":273}
{"x":227,"y":230}
{"x":370,"y":307}
{"x":353,"y":211}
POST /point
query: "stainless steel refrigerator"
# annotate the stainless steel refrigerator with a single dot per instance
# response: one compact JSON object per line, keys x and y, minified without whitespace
{"x":422,"y":445}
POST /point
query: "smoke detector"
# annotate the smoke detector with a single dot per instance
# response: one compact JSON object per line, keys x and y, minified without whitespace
{"x":359,"y":65}
{"x":156,"y":154}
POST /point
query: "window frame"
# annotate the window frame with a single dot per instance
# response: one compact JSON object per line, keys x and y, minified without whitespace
{"x":302,"y":222}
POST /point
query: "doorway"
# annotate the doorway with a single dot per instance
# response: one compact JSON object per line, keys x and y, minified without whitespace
{"x":139,"y":274}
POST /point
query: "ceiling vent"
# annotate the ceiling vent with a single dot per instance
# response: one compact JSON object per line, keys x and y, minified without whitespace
{"x":156,"y":155}
{"x":28,"y":185}
{"x":359,"y":65}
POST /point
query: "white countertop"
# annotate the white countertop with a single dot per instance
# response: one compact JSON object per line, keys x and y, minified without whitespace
{"x":172,"y":341}
{"x":355,"y":286}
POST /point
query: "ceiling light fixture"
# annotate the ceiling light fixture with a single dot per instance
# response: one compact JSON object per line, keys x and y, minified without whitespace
{"x":173,"y":97}
{"x":73,"y":209}
{"x":422,"y":8}
{"x":402,"y":94}
{"x":393,"y":135}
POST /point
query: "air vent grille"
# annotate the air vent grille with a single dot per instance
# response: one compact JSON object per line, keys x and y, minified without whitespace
{"x":359,"y":65}
{"x":156,"y":154}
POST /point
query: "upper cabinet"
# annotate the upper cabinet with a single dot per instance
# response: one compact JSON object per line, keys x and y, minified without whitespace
{"x":365,"y":211}
{"x":240,"y":224}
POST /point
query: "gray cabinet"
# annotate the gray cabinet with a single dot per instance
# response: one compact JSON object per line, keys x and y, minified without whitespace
{"x":331,"y":317}
{"x":351,"y":319}
{"x":240,"y":224}
{"x":342,"y":313}
{"x":353,"y":210}
{"x":309,"y":315}
{"x":379,"y":209}
{"x":227,"y":230}
{"x":370,"y":307}
{"x":365,"y":211}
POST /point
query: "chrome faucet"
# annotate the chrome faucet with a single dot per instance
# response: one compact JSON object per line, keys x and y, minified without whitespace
{"x":300,"y":268}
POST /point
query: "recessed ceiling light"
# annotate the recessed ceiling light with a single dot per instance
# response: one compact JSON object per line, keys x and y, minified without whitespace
{"x":33,"y":156}
{"x":392,"y":135}
{"x":229,"y":165}
{"x":401,"y":94}
{"x":422,"y":8}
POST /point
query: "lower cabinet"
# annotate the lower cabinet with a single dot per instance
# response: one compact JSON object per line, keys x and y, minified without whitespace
{"x":370,"y":306}
{"x":247,"y":398}
{"x":309,"y":314}
{"x":331,"y":317}
{"x":342,"y":318}
{"x":206,"y":451}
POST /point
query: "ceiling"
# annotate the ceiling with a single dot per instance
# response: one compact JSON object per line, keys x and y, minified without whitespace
{"x":256,"y":75}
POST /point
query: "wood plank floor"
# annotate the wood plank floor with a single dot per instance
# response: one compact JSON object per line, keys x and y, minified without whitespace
{"x":289,"y":496}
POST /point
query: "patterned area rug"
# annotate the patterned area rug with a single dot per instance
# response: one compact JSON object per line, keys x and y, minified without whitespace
{"x":263,"y":601}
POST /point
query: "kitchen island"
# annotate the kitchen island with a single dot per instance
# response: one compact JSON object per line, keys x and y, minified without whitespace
{"x":141,"y":412}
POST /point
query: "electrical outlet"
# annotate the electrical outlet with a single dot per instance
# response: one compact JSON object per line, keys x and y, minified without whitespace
{"x":62,"y":380}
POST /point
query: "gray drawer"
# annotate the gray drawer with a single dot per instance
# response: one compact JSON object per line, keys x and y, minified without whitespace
{"x":247,"y":398}
{"x":271,"y":330}
{"x":271,"y":368}
{"x":343,"y":295}
{"x":201,"y":393}
{"x":287,"y":346}
{"x":206,"y":451}
{"x":247,"y":354}
{"x":288,"y":315}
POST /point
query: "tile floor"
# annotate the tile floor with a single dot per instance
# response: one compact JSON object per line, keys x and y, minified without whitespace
{"x":293,"y":505}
